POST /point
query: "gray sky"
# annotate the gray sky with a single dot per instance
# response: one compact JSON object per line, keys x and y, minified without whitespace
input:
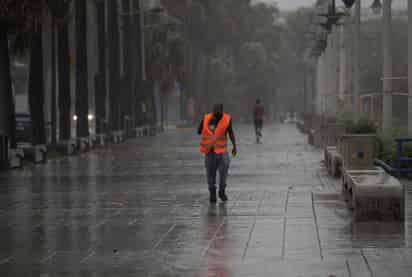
{"x":291,"y":4}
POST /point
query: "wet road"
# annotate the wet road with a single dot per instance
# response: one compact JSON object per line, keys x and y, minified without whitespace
{"x":141,"y":209}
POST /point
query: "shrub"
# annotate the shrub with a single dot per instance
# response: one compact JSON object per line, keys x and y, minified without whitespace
{"x":363,"y":126}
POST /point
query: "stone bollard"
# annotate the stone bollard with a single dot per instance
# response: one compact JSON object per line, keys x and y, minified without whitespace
{"x":16,"y":157}
{"x":83,"y":144}
{"x":40,"y":154}
{"x":333,"y":161}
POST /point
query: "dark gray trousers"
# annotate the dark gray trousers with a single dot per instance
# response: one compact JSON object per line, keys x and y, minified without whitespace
{"x":217,"y":163}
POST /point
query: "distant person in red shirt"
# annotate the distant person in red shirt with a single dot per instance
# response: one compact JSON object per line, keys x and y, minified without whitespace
{"x":258,"y":114}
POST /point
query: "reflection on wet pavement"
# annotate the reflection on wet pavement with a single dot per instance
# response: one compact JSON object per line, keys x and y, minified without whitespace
{"x":141,"y":209}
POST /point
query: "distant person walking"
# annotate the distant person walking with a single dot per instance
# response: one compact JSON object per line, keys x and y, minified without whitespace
{"x":214,"y":129}
{"x":258,"y":114}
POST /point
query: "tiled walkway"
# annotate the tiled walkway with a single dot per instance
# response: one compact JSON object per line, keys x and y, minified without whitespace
{"x":141,"y":209}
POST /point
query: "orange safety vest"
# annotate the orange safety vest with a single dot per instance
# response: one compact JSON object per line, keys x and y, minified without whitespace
{"x":217,"y":140}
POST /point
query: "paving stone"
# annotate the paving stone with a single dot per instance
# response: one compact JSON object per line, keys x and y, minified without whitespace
{"x":141,"y":208}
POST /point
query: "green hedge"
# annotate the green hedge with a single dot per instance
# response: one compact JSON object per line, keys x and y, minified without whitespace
{"x":363,"y":126}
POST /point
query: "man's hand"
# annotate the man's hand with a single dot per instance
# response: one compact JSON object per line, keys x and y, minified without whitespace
{"x":234,"y":151}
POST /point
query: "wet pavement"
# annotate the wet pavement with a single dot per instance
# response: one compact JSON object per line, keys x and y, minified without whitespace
{"x":141,"y":209}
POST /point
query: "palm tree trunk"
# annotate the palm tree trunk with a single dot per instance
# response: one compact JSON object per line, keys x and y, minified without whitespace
{"x":114,"y":65}
{"x":36,"y":88}
{"x":64,"y":81}
{"x":127,"y":48}
{"x":53,"y":85}
{"x":82,"y":94}
{"x":7,"y":119}
{"x":100,"y":81}
{"x":137,"y":54}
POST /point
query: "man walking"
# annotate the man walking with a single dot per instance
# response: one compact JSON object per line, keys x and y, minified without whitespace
{"x":214,"y":129}
{"x":258,"y":114}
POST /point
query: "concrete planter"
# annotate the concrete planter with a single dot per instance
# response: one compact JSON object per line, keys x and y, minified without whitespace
{"x":358,"y":151}
{"x":374,"y":195}
{"x":330,"y":133}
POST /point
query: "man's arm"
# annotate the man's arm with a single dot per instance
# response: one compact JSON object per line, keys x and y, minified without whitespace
{"x":232,"y":138}
{"x":200,"y":128}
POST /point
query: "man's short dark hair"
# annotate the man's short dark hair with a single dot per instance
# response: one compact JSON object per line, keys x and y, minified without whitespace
{"x":218,"y":106}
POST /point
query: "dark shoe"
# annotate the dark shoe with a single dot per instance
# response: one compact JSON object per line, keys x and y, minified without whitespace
{"x":213,"y":196}
{"x":223,"y":196}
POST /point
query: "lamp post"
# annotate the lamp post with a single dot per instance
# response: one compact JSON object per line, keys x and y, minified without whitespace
{"x":410,"y":66}
{"x":342,"y":65}
{"x":387,"y":66}
{"x":356,"y":61}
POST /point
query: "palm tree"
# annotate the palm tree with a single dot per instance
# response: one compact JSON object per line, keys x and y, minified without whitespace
{"x":17,"y":21}
{"x":36,"y":87}
{"x":6,"y":98}
{"x":82,"y":94}
{"x":61,"y":12}
{"x":114,"y":65}
{"x":127,"y":95}
{"x":100,"y":79}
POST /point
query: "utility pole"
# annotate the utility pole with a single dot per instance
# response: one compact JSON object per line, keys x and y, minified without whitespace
{"x":323,"y":77}
{"x":142,"y":40}
{"x":342,"y":66}
{"x":304,"y":89}
{"x":335,"y":70}
{"x":410,"y":66}
{"x":356,"y":61}
{"x":387,"y":66}
{"x":329,"y":79}
{"x":53,"y":95}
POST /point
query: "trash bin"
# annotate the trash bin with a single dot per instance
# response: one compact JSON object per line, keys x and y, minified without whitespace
{"x":4,"y":156}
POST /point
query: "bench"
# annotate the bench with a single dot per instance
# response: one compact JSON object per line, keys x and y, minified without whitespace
{"x":36,"y":154}
{"x":117,"y":136}
{"x":139,"y":131}
{"x":402,"y":163}
{"x":68,"y":147}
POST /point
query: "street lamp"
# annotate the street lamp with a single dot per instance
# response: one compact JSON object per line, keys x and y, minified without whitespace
{"x":376,"y":7}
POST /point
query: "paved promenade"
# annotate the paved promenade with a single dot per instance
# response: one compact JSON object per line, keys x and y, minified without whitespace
{"x":141,"y":209}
